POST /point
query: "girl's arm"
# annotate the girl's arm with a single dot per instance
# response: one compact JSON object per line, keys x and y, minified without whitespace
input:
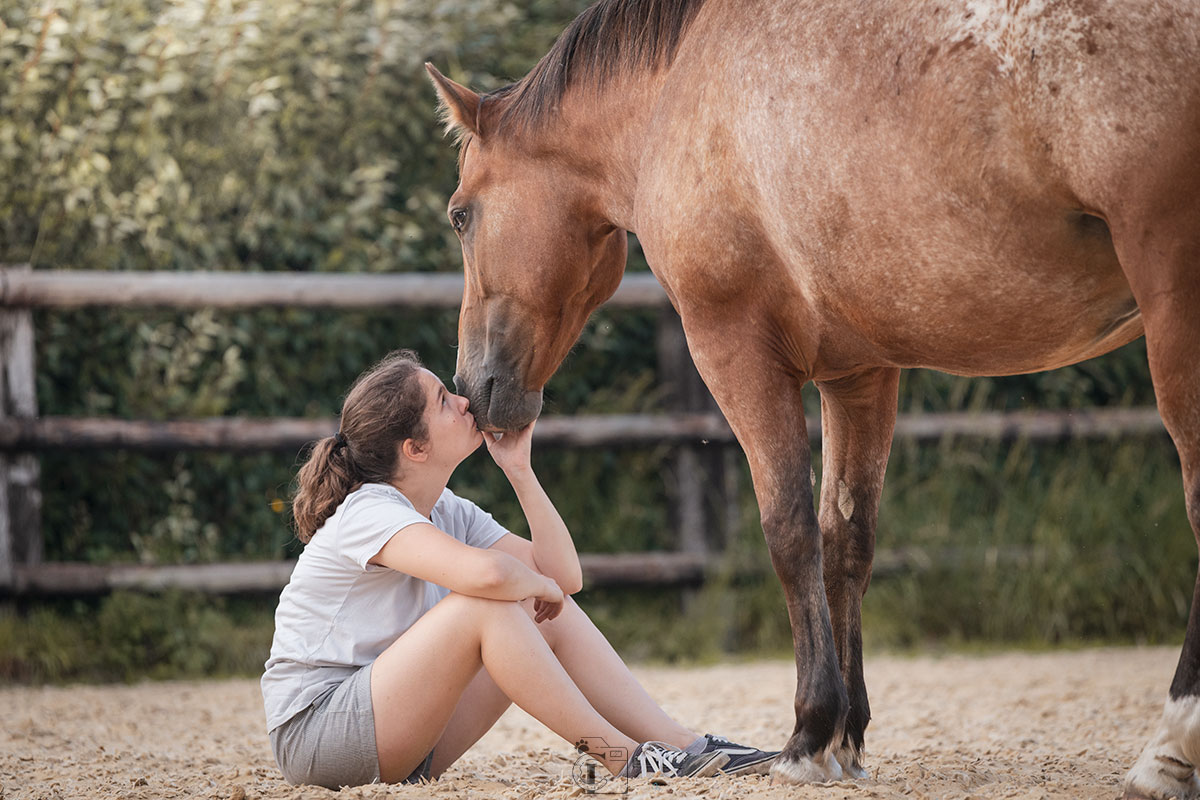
{"x":553,"y":549}
{"x":425,"y":552}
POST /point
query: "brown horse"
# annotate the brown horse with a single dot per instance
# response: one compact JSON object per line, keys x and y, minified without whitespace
{"x":832,"y":191}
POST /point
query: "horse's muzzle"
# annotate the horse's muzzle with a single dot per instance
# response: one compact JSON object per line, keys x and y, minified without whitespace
{"x":499,"y":403}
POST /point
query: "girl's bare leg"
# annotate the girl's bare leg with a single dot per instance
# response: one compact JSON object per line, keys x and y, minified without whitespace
{"x":417,"y":682}
{"x":595,"y":668}
{"x":606,"y":681}
{"x":480,"y":706}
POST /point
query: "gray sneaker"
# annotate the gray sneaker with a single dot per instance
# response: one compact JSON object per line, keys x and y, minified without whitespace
{"x":743,"y":760}
{"x":658,"y":759}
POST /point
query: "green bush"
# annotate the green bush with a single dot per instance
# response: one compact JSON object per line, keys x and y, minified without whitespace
{"x":180,"y":135}
{"x":128,"y":636}
{"x":1080,"y":541}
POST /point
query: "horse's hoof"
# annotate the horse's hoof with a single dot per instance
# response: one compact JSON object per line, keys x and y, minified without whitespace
{"x":821,"y":767}
{"x":1161,"y":777}
{"x":1179,"y":792}
{"x":850,"y":760}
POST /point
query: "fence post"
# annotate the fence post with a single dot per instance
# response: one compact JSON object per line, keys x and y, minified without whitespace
{"x":20,"y":497}
{"x":698,"y":487}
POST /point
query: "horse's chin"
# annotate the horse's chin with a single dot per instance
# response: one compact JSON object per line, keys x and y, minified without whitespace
{"x":508,"y":423}
{"x":506,"y":413}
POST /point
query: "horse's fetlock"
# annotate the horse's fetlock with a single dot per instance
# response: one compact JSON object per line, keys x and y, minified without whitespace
{"x":821,"y":720}
{"x":857,"y":719}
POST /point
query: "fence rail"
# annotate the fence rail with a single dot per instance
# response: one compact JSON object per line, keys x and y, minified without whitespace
{"x":599,"y":570}
{"x":21,"y":288}
{"x":584,"y":430}
{"x":696,"y":470}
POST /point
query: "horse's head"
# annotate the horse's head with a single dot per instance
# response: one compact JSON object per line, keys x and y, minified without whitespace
{"x":538,"y":257}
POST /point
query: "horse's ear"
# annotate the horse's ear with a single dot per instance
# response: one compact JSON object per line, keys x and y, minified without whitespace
{"x":459,"y":105}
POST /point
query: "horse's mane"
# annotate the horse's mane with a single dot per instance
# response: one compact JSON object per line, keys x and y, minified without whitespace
{"x":609,"y":37}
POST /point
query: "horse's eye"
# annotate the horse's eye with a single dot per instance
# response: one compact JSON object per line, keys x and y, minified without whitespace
{"x":458,"y":219}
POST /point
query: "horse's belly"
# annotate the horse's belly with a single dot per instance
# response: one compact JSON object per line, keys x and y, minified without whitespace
{"x":1045,"y":301}
{"x":1031,"y":343}
{"x":979,"y":265}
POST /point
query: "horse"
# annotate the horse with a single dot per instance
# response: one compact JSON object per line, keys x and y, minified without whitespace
{"x":833,"y":191}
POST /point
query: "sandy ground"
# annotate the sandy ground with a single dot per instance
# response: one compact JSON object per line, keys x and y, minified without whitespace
{"x":1016,"y":725}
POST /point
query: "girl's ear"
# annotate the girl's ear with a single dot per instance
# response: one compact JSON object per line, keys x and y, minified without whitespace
{"x":413,"y":451}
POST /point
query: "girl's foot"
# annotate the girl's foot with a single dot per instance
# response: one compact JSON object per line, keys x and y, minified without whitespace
{"x":743,"y":760}
{"x":658,"y":759}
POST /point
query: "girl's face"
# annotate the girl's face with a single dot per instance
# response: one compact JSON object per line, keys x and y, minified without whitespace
{"x":451,"y":427}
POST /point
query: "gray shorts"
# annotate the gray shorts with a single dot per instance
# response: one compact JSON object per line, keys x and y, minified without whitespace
{"x":332,"y":742}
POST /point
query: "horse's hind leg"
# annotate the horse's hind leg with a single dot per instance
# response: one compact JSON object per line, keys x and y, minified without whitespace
{"x":858,"y":414}
{"x":1162,"y":261}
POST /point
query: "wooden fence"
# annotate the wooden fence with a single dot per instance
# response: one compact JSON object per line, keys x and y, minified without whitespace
{"x":702,"y":458}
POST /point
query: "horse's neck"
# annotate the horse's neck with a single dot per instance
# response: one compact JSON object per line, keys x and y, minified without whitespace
{"x":606,"y":132}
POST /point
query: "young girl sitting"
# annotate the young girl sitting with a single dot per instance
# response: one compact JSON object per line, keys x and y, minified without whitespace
{"x":413,"y":619}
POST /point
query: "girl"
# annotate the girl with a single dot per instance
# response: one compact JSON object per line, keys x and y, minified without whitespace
{"x":412,"y":619}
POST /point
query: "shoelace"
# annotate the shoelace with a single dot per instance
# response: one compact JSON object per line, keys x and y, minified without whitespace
{"x":660,"y":758}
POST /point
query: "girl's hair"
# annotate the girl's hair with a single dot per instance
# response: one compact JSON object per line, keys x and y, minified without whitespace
{"x":385,"y":406}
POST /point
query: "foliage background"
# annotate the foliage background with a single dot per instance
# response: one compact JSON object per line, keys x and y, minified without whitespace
{"x":300,"y":136}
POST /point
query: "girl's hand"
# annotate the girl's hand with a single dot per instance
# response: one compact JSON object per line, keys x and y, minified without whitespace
{"x":549,"y":603}
{"x":544,"y":610}
{"x":510,"y":451}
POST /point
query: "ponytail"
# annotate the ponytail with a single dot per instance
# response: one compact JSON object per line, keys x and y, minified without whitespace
{"x":324,"y":481}
{"x":385,"y":406}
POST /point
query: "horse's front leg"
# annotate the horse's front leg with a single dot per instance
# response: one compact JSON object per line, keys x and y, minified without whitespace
{"x":760,"y":396}
{"x":858,"y":414}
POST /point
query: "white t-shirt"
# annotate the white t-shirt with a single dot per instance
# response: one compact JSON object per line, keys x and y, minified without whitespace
{"x":338,"y":613}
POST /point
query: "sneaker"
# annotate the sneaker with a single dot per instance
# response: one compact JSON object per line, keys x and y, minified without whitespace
{"x":658,"y":759}
{"x":743,"y":760}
